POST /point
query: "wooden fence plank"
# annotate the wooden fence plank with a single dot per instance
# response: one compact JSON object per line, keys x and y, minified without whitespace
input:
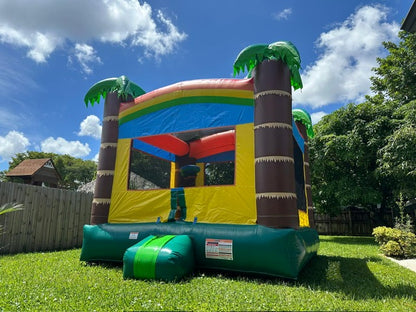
{"x":40,"y":222}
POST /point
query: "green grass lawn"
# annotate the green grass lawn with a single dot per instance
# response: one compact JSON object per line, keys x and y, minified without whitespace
{"x":348,"y":274}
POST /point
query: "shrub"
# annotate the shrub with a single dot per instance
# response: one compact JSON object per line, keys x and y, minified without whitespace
{"x":395,"y":242}
{"x":403,"y":221}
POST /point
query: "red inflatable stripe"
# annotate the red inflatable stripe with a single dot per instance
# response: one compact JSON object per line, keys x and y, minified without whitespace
{"x":169,"y":143}
{"x":212,"y":144}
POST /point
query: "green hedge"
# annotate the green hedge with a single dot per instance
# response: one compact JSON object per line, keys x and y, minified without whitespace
{"x":395,"y":243}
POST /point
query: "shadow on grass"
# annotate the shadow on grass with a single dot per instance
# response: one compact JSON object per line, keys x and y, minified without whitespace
{"x":350,"y":276}
{"x":348,"y":240}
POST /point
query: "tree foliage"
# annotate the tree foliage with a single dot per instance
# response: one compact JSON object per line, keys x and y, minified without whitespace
{"x":153,"y":169}
{"x":365,"y":154}
{"x":73,"y":171}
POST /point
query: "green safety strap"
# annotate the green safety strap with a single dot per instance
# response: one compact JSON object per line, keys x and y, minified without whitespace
{"x":177,"y":198}
{"x":144,"y":265}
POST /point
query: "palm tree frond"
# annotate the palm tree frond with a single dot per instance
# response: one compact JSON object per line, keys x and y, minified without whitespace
{"x":128,"y":88}
{"x":304,"y":117}
{"x":9,"y":207}
{"x":248,"y":58}
{"x":289,"y":54}
{"x":280,"y":50}
{"x":99,"y":89}
{"x":122,"y":85}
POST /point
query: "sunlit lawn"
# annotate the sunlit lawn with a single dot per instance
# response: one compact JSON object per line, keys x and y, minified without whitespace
{"x":348,"y":274}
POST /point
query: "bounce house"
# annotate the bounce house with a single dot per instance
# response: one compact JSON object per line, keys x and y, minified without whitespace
{"x":208,"y":174}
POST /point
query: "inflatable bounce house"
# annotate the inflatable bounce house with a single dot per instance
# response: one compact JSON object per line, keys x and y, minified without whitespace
{"x":208,"y":174}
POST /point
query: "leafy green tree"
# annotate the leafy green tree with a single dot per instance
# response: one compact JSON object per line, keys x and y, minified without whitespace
{"x":219,"y":173}
{"x":395,"y":77}
{"x":153,"y":169}
{"x":73,"y":171}
{"x":365,"y":154}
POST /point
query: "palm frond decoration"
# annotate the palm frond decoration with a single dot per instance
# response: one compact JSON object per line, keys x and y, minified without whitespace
{"x":9,"y":207}
{"x":122,"y":85}
{"x":280,"y":50}
{"x":304,"y":117}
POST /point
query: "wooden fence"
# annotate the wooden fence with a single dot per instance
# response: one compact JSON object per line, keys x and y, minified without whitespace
{"x":349,"y":222}
{"x":52,"y":219}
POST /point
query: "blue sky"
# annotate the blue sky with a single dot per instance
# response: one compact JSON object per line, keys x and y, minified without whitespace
{"x":51,"y":52}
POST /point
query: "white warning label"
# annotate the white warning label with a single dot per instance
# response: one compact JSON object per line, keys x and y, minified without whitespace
{"x":219,"y":249}
{"x":133,"y":235}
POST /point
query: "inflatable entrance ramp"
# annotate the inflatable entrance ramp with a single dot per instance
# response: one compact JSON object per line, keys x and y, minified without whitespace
{"x":167,"y":258}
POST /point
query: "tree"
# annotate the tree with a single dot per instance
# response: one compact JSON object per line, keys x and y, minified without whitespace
{"x":395,"y":77}
{"x":364,"y":154}
{"x":114,"y":90}
{"x":396,"y":158}
{"x":73,"y":171}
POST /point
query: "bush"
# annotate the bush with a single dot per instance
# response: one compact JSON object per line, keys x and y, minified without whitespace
{"x":395,"y":242}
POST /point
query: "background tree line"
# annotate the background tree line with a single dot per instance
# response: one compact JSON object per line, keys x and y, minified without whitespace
{"x":73,"y":171}
{"x":365,"y":154}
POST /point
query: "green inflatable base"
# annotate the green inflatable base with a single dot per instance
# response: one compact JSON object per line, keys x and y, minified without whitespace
{"x":241,"y":248}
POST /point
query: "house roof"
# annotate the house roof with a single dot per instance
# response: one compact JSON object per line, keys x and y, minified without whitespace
{"x":28,"y":167}
{"x":409,"y":23}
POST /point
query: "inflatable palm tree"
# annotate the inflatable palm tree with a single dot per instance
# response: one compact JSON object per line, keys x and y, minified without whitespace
{"x":114,"y":90}
{"x":275,"y":70}
{"x":304,"y":123}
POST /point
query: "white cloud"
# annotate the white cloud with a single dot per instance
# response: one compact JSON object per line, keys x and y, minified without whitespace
{"x":349,"y":52}
{"x":316,"y":117}
{"x":283,"y":15}
{"x":96,"y":157}
{"x":156,"y":42}
{"x":62,"y":146}
{"x":14,"y":142}
{"x":85,"y":55}
{"x":90,"y":126}
{"x":31,"y":25}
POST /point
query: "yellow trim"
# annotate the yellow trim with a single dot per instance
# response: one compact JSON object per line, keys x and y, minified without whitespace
{"x":303,"y":216}
{"x":172,"y":174}
{"x":303,"y":219}
{"x":200,"y":178}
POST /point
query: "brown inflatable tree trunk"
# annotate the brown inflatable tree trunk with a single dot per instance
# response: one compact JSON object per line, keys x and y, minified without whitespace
{"x":309,"y":205}
{"x":106,"y":160}
{"x":274,"y":161}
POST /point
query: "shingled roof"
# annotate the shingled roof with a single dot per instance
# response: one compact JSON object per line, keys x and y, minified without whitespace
{"x":28,"y":167}
{"x":40,"y":172}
